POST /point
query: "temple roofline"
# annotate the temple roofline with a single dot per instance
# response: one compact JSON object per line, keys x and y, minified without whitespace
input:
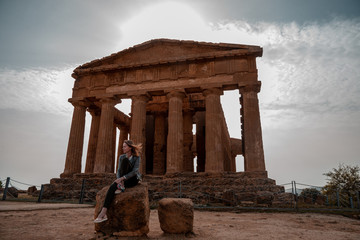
{"x":230,"y":50}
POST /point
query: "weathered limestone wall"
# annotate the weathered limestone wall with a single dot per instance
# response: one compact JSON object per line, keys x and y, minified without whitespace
{"x":228,"y":188}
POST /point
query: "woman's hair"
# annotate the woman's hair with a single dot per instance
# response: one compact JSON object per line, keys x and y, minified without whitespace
{"x":135,"y":148}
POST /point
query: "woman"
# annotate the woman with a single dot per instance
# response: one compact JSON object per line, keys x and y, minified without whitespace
{"x":127,"y":175}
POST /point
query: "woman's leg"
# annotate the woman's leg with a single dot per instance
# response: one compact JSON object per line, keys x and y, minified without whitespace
{"x":110,"y":195}
{"x":102,"y":214}
{"x":131,"y":182}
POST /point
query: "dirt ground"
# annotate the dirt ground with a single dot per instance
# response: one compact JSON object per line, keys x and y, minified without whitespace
{"x":21,"y":221}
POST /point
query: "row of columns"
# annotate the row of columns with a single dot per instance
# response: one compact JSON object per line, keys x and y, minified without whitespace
{"x":101,"y":149}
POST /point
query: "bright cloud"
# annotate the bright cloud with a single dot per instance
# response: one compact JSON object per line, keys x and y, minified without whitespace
{"x":163,"y":20}
{"x":317,"y":70}
{"x":41,"y":90}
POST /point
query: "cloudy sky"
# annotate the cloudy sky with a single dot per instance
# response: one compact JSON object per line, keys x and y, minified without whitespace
{"x":310,"y":73}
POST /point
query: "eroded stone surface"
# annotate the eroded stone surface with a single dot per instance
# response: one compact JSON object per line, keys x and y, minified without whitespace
{"x":176,"y":215}
{"x":128,"y":214}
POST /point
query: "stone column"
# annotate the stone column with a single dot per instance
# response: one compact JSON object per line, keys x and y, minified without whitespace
{"x":94,"y":131}
{"x":188,"y":165}
{"x":200,"y":141}
{"x":174,"y":156}
{"x":76,"y":140}
{"x":214,"y":161}
{"x":159,"y":144}
{"x":104,"y":152}
{"x":124,"y":132}
{"x":251,"y":130}
{"x":138,"y":123}
{"x":114,"y":148}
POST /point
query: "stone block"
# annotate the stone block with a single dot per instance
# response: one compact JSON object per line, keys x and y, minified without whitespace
{"x":229,"y":198}
{"x":128,"y":214}
{"x":265,"y":198}
{"x":176,"y":215}
{"x":31,"y":190}
{"x":283,"y":199}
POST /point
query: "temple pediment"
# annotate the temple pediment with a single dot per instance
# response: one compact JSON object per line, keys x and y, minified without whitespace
{"x":160,"y":65}
{"x":162,"y":51}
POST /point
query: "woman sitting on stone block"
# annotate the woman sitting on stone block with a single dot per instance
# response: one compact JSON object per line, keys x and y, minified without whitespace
{"x":127,"y":175}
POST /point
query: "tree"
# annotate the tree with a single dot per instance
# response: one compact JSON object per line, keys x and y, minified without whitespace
{"x":310,"y":193}
{"x":345,"y":179}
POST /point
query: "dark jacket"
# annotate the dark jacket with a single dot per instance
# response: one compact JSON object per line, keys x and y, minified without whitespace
{"x":134,"y":161}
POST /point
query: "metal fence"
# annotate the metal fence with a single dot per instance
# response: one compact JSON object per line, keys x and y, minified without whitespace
{"x":299,"y":199}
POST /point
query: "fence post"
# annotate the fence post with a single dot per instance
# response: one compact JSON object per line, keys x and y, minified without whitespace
{"x":296,"y":196}
{"x":358,"y":199}
{"x":292,"y":191}
{"x":82,"y":191}
{"x":351,"y":202}
{"x":6,"y":188}
{"x":326,"y":200}
{"x":337,"y":198}
{"x":41,"y":193}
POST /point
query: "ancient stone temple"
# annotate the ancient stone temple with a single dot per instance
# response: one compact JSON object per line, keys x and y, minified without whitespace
{"x":176,"y":113}
{"x":173,"y":85}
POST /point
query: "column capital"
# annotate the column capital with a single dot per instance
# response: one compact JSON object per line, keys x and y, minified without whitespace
{"x":212,"y":91}
{"x":176,"y":93}
{"x":110,"y":100}
{"x":142,"y":97}
{"x":122,"y":127}
{"x":255,"y":87}
{"x":94,"y":111}
{"x":79,"y":103}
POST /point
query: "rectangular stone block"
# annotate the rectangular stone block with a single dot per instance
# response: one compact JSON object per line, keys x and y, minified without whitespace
{"x":176,"y":215}
{"x":128,"y":214}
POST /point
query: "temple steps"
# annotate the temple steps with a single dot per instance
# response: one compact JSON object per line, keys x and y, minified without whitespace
{"x":202,"y":188}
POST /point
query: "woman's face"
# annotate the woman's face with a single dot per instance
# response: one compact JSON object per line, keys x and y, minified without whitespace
{"x":126,"y":148}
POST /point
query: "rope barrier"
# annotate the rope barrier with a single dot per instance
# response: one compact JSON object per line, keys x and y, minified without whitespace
{"x":30,"y":185}
{"x":13,"y":186}
{"x":284,"y":184}
{"x":307,"y":185}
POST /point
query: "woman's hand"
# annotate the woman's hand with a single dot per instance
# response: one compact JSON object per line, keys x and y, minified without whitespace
{"x":120,"y":180}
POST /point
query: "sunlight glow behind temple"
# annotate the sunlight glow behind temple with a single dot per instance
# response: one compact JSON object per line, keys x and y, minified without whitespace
{"x":164,"y":20}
